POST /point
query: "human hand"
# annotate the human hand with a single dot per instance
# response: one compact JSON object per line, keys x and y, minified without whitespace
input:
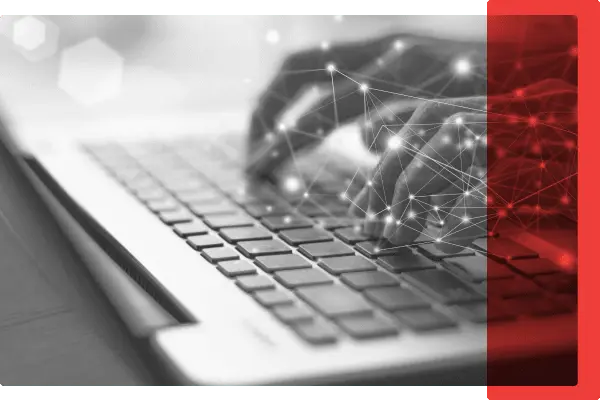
{"x":353,"y":78}
{"x":438,"y":164}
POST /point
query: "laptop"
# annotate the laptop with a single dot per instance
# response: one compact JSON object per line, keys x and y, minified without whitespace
{"x":270,"y":287}
{"x":271,"y":282}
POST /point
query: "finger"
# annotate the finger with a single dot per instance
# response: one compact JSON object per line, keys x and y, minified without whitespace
{"x":417,"y":132}
{"x":358,"y":208}
{"x":382,"y":124}
{"x":442,"y":164}
{"x":465,"y":221}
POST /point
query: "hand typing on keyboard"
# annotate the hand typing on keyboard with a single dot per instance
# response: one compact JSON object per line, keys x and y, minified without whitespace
{"x":422,"y":105}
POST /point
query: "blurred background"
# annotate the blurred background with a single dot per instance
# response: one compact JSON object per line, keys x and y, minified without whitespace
{"x":81,"y":68}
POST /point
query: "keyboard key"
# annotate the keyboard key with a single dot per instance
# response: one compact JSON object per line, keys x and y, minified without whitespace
{"x":326,"y":249}
{"x":236,"y":268}
{"x":267,"y":209}
{"x":234,"y":235}
{"x":505,"y":249}
{"x":271,"y":298}
{"x":219,"y":254}
{"x":367,"y":280}
{"x":537,"y":306}
{"x":290,"y":221}
{"x":431,"y":251}
{"x":228,"y":221}
{"x":442,"y":286}
{"x":249,"y":195}
{"x":559,"y":283}
{"x":352,"y":235}
{"x":424,"y":320}
{"x":396,"y":298}
{"x":367,"y":327}
{"x":204,"y":242}
{"x":535,"y":266}
{"x":167,"y":204}
{"x":296,"y":237}
{"x":316,"y":332}
{"x":332,"y":223}
{"x":151,"y":194}
{"x":282,"y":262}
{"x":483,"y":312}
{"x":311,"y":209}
{"x":203,"y":196}
{"x":380,"y":248}
{"x":516,"y":287}
{"x":334,"y":301}
{"x":175,"y":217}
{"x":254,"y":283}
{"x":221,"y":208}
{"x":262,"y":248}
{"x":302,"y":277}
{"x":187,"y":229}
{"x":292,"y":314}
{"x":340,"y":265}
{"x":478,"y":269}
{"x":405,"y":261}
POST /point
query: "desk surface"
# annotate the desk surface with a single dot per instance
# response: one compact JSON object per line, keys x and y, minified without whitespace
{"x":56,"y":327}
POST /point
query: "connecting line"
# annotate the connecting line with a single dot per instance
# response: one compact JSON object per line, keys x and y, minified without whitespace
{"x":335,"y":109}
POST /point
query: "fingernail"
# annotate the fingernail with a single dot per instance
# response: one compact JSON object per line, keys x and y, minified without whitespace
{"x":389,"y":229}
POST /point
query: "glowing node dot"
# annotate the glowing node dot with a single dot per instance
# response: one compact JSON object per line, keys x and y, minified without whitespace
{"x":459,"y":121}
{"x":532,"y":121}
{"x":305,"y":195}
{"x":394,"y":143}
{"x":364,"y":87}
{"x":445,"y":139}
{"x":411,"y":196}
{"x":467,"y":193}
{"x":438,"y":240}
{"x":389,"y":219}
{"x":269,"y":208}
{"x":398,"y":222}
{"x":292,"y":184}
{"x":269,"y":136}
{"x":376,"y":249}
{"x":411,"y":215}
{"x":369,"y":183}
{"x":519,"y":93}
{"x":468,"y":144}
{"x":272,"y":36}
{"x":388,"y":208}
{"x":287,"y":219}
{"x":462,"y":66}
{"x":343,"y":196}
{"x":331,"y":67}
{"x":436,"y":208}
{"x":442,"y":222}
{"x":465,"y":219}
{"x":281,"y":127}
{"x":398,"y":45}
{"x":370,"y":216}
{"x":325,"y":46}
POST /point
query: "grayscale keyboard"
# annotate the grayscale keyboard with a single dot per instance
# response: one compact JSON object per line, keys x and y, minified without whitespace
{"x":308,"y":263}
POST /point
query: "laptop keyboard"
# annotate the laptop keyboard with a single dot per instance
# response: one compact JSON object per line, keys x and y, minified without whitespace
{"x":306,"y":262}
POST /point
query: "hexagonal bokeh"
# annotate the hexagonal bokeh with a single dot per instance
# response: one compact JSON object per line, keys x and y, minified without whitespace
{"x":29,"y":33}
{"x":90,"y":72}
{"x":36,"y":38}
